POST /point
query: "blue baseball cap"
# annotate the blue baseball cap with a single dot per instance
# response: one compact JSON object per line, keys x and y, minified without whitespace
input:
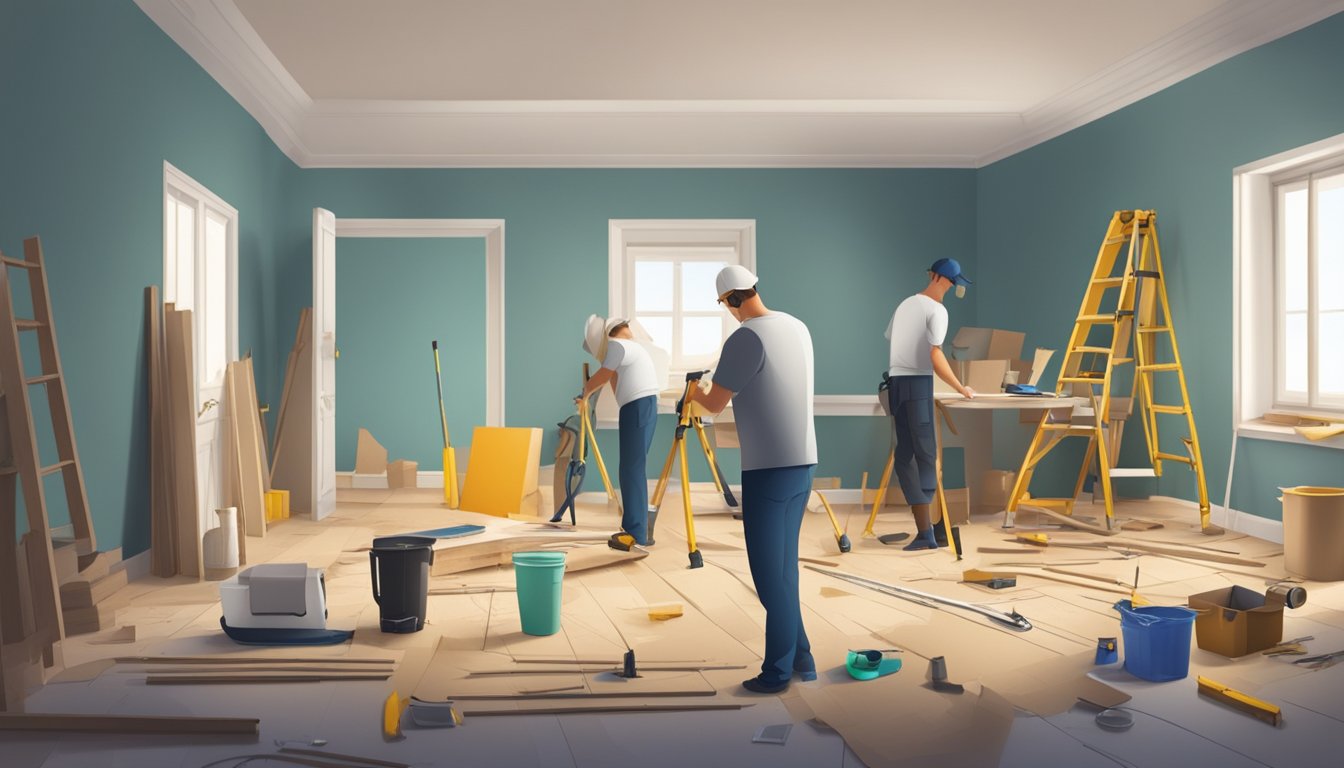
{"x":950,"y":269}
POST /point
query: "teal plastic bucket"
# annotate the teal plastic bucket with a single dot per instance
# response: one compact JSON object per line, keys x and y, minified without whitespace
{"x":1157,"y":640}
{"x":538,"y":578}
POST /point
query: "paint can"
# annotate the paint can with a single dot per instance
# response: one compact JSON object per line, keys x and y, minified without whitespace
{"x":1107,"y":649}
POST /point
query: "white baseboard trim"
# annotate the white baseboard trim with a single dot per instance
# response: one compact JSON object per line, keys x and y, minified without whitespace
{"x":423,"y":479}
{"x":136,"y":567}
{"x":1236,"y":520}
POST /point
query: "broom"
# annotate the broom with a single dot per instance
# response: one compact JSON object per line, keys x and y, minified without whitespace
{"x":449,"y":455}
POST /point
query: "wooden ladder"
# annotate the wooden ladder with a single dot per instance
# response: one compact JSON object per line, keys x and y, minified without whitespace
{"x":30,"y":604}
{"x":1104,"y":341}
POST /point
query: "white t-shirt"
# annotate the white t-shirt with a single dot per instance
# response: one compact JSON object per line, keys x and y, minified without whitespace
{"x":636,"y":375}
{"x":767,"y":364}
{"x":917,"y":326}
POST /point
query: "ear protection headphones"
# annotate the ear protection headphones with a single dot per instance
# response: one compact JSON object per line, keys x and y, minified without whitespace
{"x":734,"y":300}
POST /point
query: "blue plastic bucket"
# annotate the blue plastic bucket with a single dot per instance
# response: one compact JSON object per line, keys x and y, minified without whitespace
{"x":1157,"y":640}
{"x":538,"y":578}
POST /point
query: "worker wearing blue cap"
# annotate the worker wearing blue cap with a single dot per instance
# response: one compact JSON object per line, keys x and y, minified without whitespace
{"x":766,"y":369}
{"x":916,"y":331}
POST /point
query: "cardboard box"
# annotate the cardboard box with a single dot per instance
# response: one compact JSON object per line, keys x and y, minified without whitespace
{"x":1235,"y":621}
{"x":996,"y":485}
{"x":401,"y":474}
{"x":971,"y":343}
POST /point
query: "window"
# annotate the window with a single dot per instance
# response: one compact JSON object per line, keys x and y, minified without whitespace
{"x":1289,"y":286}
{"x":662,"y":275}
{"x":200,"y":236}
{"x":1309,"y":290}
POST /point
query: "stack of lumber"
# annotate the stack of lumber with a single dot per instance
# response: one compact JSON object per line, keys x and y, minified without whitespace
{"x":86,"y":587}
{"x":175,"y":515}
{"x":292,"y":461}
{"x":175,"y":538}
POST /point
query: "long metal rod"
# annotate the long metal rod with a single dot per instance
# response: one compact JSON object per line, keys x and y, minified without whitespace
{"x":1013,"y":620}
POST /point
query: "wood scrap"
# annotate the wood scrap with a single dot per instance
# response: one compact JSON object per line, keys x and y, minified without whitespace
{"x":1138,"y":546}
{"x":1103,"y":579}
{"x":1006,"y":551}
{"x":604,"y":710}
{"x":182,"y":420}
{"x":291,"y":456}
{"x":248,"y":490}
{"x":1068,"y":520}
{"x":347,"y":758}
{"x":81,"y":593}
{"x":597,"y":670}
{"x":163,"y":534}
{"x":131,"y":724}
{"x":248,"y":679}
{"x":817,"y":561}
{"x":1115,"y":590}
{"x":124,"y":634}
{"x":215,"y":660}
{"x":370,"y":455}
{"x":602,"y":695}
{"x":1139,"y":524}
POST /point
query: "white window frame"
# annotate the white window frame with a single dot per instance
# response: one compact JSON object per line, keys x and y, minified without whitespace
{"x":1257,"y":282}
{"x":632,"y":240}
{"x":177,"y":183}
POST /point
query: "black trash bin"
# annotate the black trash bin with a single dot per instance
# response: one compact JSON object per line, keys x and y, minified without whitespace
{"x":399,"y":567}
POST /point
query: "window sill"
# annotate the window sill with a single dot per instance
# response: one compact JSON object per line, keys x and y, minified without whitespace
{"x":1257,"y":429}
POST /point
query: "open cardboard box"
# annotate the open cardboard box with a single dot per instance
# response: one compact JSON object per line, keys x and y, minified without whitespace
{"x":1235,"y":621}
{"x":983,"y":357}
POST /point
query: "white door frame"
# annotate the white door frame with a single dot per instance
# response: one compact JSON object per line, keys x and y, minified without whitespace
{"x":492,"y":230}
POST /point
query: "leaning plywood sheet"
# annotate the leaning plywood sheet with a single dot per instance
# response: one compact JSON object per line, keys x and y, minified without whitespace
{"x":370,"y":455}
{"x":502,"y":470}
{"x":163,"y":551}
{"x":249,"y":493}
{"x":291,"y":467}
{"x":182,"y":417}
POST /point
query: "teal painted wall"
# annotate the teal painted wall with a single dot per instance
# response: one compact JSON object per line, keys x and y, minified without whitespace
{"x":837,"y":248}
{"x":96,"y":98}
{"x":393,"y":297}
{"x":1042,"y":213}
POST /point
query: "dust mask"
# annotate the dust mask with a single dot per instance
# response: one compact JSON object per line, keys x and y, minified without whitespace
{"x":961,"y":291}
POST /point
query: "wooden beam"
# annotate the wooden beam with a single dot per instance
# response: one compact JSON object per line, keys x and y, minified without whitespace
{"x":132,"y":724}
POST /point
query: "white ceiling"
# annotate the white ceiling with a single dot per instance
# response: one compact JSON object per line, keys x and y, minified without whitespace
{"x":602,"y":83}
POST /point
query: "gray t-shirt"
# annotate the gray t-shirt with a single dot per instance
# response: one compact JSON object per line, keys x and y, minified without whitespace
{"x":636,"y":375}
{"x":767,"y":364}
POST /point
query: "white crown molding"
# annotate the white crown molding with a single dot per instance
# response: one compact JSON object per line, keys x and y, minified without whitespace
{"x":1230,"y":29}
{"x":217,"y":36}
{"x":914,"y":133}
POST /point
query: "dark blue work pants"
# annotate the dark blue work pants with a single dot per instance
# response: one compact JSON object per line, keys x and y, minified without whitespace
{"x":773,"y":501}
{"x":637,"y":420}
{"x":911,"y":401}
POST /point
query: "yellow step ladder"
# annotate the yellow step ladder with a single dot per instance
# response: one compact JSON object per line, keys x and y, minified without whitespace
{"x":1104,"y":341}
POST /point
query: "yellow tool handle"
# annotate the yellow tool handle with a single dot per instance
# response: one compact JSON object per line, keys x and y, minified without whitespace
{"x":1261,"y":709}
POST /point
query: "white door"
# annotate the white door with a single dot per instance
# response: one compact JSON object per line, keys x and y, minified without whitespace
{"x":200,"y":274}
{"x":324,"y":363}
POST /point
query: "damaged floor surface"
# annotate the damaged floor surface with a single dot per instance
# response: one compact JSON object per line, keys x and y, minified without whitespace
{"x":1020,"y":706}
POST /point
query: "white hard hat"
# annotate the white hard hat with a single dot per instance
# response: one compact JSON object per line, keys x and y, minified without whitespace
{"x":595,"y":337}
{"x":612,"y":322}
{"x":734,"y":277}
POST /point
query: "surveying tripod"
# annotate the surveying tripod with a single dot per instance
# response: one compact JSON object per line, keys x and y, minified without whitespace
{"x":686,"y":421}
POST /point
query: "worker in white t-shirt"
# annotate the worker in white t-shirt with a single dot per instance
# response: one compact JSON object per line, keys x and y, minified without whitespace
{"x":629,"y":367}
{"x":765,"y":368}
{"x":916,"y":331}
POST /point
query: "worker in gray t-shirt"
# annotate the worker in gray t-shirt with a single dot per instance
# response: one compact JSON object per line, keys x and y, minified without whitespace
{"x":765,"y":368}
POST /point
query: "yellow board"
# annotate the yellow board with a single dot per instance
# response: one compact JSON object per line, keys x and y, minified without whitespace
{"x":277,"y":505}
{"x":501,"y":470}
